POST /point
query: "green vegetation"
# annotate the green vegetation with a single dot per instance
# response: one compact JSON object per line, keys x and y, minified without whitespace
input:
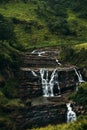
{"x":80,"y":96}
{"x":74,"y":54}
{"x":46,"y":23}
{"x":80,"y":46}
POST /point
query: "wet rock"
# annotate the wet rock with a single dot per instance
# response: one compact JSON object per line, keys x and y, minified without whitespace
{"x":41,"y":115}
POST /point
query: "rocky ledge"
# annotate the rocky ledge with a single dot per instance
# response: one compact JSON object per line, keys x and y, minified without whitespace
{"x":39,"y":110}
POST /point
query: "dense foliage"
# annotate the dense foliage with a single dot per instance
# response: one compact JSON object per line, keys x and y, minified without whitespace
{"x":74,"y":56}
{"x":46,"y":23}
{"x":80,"y":97}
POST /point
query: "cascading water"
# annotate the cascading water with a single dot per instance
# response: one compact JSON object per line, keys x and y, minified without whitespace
{"x":57,"y":61}
{"x":37,"y":52}
{"x":34,"y":73}
{"x":44,"y":82}
{"x":71,"y":115}
{"x":47,"y":84}
{"x":80,"y":79}
{"x":40,"y":53}
{"x":33,"y":52}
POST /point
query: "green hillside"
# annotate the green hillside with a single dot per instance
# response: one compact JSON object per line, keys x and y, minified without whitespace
{"x":46,"y":23}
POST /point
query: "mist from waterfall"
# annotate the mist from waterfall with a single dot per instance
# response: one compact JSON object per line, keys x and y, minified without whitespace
{"x":71,"y":115}
{"x":48,"y":85}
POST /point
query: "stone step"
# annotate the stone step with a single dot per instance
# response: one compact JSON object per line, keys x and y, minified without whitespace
{"x":41,"y":115}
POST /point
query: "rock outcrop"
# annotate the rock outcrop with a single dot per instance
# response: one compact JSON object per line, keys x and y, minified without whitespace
{"x":41,"y":115}
{"x":41,"y":110}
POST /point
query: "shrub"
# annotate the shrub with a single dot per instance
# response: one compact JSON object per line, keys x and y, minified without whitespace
{"x":6,"y":30}
{"x":80,"y":97}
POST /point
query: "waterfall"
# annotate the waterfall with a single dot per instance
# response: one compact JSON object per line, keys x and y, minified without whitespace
{"x":80,"y":79}
{"x":33,"y":52}
{"x":71,"y":115}
{"x":38,"y":53}
{"x":44,"y":82}
{"x":57,"y":61}
{"x":34,"y":73}
{"x":48,"y":85}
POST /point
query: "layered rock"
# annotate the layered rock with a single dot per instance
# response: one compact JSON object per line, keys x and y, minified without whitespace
{"x":42,"y":111}
{"x":41,"y":115}
{"x":30,"y":85}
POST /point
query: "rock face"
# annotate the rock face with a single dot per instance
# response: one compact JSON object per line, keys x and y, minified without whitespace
{"x":30,"y":85}
{"x":41,"y":115}
{"x":49,"y":110}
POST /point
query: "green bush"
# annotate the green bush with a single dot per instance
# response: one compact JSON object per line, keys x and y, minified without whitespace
{"x":6,"y":30}
{"x":10,"y":88}
{"x":69,"y":54}
{"x":80,"y":97}
{"x":3,"y":99}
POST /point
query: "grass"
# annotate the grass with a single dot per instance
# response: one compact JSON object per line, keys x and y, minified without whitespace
{"x":39,"y":37}
{"x":19,"y":10}
{"x":80,"y":46}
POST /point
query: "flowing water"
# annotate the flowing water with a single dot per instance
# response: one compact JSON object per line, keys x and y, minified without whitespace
{"x":57,"y":61}
{"x":71,"y":115}
{"x":37,"y":52}
{"x":80,"y":79}
{"x":34,"y":74}
{"x":48,"y":82}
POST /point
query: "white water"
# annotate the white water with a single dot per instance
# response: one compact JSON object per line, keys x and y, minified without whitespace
{"x":80,"y":79}
{"x":38,"y":53}
{"x":71,"y":115}
{"x":34,"y":52}
{"x":57,"y":61}
{"x":48,"y":85}
{"x":34,"y":73}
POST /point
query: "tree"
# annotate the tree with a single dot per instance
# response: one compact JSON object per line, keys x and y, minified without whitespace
{"x":6,"y":30}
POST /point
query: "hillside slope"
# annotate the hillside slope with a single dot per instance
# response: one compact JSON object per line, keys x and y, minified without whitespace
{"x":46,"y":23}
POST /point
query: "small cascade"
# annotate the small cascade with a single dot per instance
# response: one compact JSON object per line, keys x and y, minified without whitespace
{"x":51,"y":83}
{"x":34,"y":73}
{"x":71,"y":115}
{"x":47,"y":84}
{"x":44,"y":82}
{"x":80,"y":79}
{"x":57,"y":61}
{"x":37,"y":52}
{"x":33,"y":52}
{"x":40,"y":53}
